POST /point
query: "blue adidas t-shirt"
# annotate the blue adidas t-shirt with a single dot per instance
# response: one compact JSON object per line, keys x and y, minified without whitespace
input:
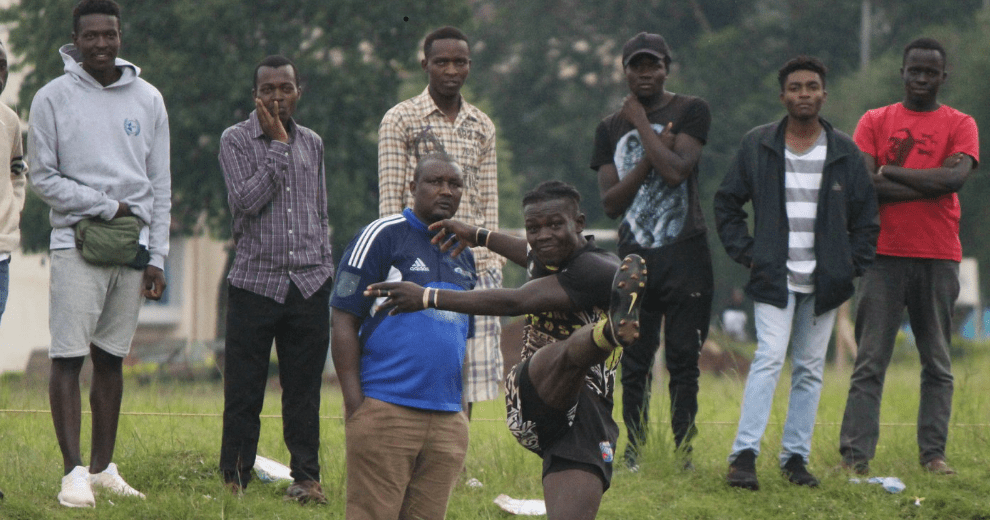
{"x":412,"y":359}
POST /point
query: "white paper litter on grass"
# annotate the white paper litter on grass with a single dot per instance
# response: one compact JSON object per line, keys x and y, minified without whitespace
{"x":521,"y":507}
{"x":891,"y":484}
{"x":269,"y":470}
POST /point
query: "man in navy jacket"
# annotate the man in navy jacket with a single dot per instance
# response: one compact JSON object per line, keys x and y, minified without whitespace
{"x":815,"y":229}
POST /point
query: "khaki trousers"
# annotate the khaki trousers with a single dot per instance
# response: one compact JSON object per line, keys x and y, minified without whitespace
{"x":402,"y":463}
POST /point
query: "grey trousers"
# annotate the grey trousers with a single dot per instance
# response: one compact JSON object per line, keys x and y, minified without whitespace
{"x":928,"y":289}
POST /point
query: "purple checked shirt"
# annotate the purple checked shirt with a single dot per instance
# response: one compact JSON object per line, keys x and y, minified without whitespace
{"x":278,"y":200}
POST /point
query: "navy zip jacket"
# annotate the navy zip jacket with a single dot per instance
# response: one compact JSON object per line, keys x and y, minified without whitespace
{"x":846,"y":223}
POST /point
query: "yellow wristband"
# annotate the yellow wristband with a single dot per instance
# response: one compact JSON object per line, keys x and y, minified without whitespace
{"x":426,"y":297}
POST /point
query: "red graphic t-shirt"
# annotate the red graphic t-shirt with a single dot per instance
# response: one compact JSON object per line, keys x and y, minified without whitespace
{"x":924,"y":228}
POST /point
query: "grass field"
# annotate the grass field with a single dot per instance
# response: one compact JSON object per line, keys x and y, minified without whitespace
{"x":170,"y":434}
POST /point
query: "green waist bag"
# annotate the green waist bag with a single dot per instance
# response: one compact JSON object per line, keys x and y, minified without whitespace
{"x":112,"y":242}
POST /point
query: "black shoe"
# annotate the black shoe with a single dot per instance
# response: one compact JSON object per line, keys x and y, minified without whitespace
{"x":797,"y":473}
{"x":742,"y":471}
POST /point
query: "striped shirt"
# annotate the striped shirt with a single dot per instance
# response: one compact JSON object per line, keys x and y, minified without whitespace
{"x":278,"y":202}
{"x":802,"y":178}
{"x":417,"y":127}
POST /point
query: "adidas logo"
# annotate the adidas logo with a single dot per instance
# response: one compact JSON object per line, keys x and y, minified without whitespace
{"x":418,"y":265}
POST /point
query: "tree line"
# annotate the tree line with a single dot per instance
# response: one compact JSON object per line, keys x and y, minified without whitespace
{"x":546,"y":71}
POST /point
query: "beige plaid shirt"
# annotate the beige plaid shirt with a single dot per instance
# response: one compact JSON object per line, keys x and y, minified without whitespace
{"x":470,"y":140}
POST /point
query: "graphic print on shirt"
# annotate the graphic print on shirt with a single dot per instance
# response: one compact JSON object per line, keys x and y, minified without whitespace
{"x":658,"y":212}
{"x":902,"y":142}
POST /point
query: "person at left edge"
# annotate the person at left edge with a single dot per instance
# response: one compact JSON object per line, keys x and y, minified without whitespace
{"x":12,"y":187}
{"x":280,"y":280}
{"x":401,"y":375}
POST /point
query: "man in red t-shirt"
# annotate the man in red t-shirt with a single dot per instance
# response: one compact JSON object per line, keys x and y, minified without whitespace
{"x":921,"y":153}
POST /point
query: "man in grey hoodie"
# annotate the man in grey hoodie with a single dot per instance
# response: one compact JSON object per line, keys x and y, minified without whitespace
{"x":100,"y":139}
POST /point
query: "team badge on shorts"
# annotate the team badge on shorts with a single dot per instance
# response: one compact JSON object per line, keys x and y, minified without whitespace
{"x":607,"y":452}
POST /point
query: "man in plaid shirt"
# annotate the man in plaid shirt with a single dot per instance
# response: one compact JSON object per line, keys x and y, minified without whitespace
{"x":440,"y":120}
{"x":280,"y":280}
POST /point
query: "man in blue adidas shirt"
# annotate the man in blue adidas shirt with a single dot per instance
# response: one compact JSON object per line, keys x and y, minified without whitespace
{"x":401,"y":375}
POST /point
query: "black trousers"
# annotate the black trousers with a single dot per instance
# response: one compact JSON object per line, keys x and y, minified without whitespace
{"x":301,"y":330}
{"x":679,"y":293}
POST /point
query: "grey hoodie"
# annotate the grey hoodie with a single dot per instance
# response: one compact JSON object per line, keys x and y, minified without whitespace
{"x":93,"y":148}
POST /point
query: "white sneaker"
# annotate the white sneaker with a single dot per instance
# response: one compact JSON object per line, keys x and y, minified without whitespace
{"x":76,"y":490}
{"x":111,"y":480}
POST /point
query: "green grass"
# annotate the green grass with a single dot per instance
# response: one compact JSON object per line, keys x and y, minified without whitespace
{"x":172,"y":458}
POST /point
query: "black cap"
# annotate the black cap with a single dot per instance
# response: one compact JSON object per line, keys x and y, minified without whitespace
{"x":645,"y":43}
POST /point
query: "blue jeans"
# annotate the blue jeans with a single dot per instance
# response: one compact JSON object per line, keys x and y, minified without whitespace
{"x":808,"y":336}
{"x":928,"y":289}
{"x":4,"y":284}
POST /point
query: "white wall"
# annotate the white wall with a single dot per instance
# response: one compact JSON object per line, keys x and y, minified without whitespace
{"x":24,"y":325}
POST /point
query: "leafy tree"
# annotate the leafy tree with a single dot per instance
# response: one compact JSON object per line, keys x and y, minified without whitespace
{"x":552,"y":72}
{"x":201,"y":55}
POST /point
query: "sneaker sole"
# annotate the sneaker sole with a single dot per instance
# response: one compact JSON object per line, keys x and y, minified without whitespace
{"x":70,"y":504}
{"x":628,"y":287}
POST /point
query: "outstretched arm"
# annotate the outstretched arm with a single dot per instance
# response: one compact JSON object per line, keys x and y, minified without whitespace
{"x":540,"y":295}
{"x":464,"y":236}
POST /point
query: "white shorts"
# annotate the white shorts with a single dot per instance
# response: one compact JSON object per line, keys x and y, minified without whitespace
{"x":91,"y":304}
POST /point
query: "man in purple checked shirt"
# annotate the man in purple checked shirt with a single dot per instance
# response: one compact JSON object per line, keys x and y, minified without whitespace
{"x":280,"y":280}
